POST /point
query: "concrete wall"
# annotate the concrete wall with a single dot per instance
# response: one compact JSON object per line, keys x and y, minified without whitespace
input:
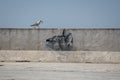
{"x":35,"y":39}
{"x":59,"y":56}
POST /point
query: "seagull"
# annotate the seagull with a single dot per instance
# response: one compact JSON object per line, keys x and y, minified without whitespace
{"x":36,"y":24}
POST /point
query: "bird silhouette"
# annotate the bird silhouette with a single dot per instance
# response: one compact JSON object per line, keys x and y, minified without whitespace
{"x":36,"y":24}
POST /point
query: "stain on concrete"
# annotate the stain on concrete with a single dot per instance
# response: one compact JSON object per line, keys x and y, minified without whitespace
{"x":23,"y":61}
{"x":1,"y":65}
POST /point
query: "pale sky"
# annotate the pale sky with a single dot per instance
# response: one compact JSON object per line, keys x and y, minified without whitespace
{"x":60,"y":13}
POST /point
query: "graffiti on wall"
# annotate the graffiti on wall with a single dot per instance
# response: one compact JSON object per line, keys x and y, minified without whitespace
{"x":61,"y":42}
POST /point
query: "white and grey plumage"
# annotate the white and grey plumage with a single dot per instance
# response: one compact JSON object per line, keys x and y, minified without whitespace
{"x":36,"y":24}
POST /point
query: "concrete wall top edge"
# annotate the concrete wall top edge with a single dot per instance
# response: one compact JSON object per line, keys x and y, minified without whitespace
{"x":61,"y":28}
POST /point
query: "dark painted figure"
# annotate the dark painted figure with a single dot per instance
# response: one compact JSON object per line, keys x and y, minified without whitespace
{"x":61,"y":42}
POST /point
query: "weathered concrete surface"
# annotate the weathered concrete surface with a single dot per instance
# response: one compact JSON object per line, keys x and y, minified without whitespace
{"x":84,"y":39}
{"x":59,"y":71}
{"x":60,"y":56}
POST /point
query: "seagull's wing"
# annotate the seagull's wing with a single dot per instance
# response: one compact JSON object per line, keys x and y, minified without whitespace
{"x":35,"y":24}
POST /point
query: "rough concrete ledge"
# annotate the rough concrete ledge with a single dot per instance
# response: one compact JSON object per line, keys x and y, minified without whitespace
{"x":60,"y":28}
{"x":60,"y":56}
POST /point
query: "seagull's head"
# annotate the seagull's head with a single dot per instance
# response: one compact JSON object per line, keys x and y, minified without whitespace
{"x":41,"y":21}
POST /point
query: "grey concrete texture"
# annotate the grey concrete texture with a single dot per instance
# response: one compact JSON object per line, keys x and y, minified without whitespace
{"x":60,"y":56}
{"x":59,"y":71}
{"x":83,"y":39}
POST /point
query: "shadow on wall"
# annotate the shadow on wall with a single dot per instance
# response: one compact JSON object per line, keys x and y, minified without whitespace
{"x":61,"y":42}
